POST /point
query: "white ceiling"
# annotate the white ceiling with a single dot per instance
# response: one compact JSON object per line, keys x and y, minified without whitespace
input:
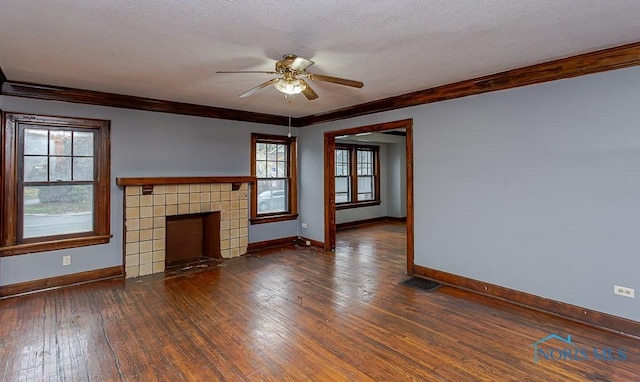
{"x":170,"y":49}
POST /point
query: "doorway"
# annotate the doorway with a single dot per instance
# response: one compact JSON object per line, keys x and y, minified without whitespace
{"x":330,"y":186}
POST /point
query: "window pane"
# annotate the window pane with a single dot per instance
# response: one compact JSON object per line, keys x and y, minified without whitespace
{"x":35,"y":169}
{"x":272,"y":196}
{"x":282,"y":170}
{"x":271,"y":151}
{"x":57,"y":210}
{"x":59,"y":142}
{"x":82,"y":144}
{"x":35,"y":142}
{"x":83,"y":168}
{"x":365,"y":162}
{"x":342,"y":162}
{"x":342,"y":170}
{"x":365,"y":188}
{"x":282,"y":152}
{"x":261,"y":151}
{"x":261,"y":169}
{"x":59,"y":169}
{"x":272,"y":169}
{"x":343,"y":190}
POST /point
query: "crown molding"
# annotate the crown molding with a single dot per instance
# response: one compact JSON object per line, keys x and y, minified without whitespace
{"x":594,"y":62}
{"x":90,"y":97}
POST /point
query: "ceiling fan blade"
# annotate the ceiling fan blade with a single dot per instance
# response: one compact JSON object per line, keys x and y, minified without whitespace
{"x":335,"y":80}
{"x":308,"y":92}
{"x":247,"y":71}
{"x":299,"y":64}
{"x":261,"y":86}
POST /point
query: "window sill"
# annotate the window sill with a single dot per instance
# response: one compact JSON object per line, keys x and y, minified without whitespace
{"x":273,"y":218}
{"x":369,"y":203}
{"x":21,"y":249}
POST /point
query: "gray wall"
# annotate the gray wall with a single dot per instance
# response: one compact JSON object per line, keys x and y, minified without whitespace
{"x":144,"y":144}
{"x":396,"y":186}
{"x":535,"y":188}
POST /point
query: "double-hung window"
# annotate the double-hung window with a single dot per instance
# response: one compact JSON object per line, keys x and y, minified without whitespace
{"x":357,"y":180}
{"x":274,"y":165}
{"x":56,"y":183}
{"x":343,"y":175}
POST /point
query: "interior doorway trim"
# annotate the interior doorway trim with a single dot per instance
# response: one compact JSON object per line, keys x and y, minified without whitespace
{"x":329,"y":181}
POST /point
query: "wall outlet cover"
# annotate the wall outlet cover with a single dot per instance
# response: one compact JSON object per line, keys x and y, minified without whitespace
{"x":624,"y":291}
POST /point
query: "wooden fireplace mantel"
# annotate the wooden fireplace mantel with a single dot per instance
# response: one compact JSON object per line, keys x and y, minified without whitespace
{"x":183,"y":180}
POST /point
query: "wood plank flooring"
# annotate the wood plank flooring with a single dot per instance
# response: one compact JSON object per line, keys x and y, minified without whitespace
{"x":292,"y":314}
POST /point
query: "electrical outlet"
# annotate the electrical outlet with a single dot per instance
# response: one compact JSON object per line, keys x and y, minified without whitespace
{"x":304,"y":225}
{"x":624,"y":291}
{"x":308,"y":243}
{"x":66,"y":260}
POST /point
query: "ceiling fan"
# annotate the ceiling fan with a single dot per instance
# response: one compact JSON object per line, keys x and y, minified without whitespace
{"x":293,"y":70}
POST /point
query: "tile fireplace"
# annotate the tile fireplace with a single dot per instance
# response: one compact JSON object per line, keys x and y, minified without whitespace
{"x":149,"y":201}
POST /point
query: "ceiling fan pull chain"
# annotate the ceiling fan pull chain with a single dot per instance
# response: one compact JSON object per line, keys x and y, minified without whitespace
{"x":288,"y":98}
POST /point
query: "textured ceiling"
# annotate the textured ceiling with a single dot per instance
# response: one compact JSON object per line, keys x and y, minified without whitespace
{"x":170,"y":49}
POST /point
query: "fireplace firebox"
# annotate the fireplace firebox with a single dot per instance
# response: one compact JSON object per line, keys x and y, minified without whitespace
{"x":192,"y":237}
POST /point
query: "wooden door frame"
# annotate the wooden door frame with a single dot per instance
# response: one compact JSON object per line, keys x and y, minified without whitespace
{"x":329,"y":181}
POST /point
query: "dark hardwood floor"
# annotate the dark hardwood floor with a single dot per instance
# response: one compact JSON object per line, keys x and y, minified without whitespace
{"x":293,"y":314}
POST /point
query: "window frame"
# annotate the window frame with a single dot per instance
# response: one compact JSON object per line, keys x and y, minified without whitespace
{"x":11,"y":242}
{"x":291,"y":212}
{"x":353,"y":174}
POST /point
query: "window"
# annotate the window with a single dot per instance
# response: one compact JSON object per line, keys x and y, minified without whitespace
{"x":273,"y":163}
{"x":366,"y":174}
{"x":343,"y":175}
{"x":55,"y":192}
{"x":357,"y":180}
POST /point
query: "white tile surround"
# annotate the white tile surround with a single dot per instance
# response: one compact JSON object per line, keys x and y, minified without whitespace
{"x":145,"y":220}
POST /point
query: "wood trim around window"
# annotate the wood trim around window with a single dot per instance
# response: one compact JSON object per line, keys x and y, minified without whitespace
{"x":292,"y":207}
{"x":10,"y":243}
{"x":365,"y":203}
{"x":353,"y":168}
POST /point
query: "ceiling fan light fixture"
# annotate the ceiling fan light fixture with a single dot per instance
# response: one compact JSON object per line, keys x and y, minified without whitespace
{"x":290,"y":86}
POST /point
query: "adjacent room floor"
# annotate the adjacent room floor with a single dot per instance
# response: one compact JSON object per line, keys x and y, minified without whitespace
{"x":295,"y":314}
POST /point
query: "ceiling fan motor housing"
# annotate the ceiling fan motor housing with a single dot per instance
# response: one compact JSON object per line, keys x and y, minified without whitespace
{"x":284,"y":65}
